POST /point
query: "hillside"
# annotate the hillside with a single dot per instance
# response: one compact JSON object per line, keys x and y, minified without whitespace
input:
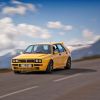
{"x":92,"y":50}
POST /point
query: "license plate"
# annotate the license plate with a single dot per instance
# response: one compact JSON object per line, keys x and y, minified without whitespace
{"x":29,"y":65}
{"x":26,"y":65}
{"x":23,"y":65}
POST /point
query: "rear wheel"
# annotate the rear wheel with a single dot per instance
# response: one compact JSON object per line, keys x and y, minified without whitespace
{"x":49,"y":67}
{"x":68,"y":64}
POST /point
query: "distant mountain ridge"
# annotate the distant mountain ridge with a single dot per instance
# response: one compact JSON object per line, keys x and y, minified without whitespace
{"x":92,"y":50}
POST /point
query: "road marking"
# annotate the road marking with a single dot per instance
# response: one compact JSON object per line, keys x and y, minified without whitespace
{"x":19,"y":91}
{"x":67,"y":77}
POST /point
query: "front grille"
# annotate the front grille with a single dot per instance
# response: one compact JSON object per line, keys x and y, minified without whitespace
{"x":14,"y":64}
{"x":37,"y":64}
{"x":22,"y":61}
{"x":30,"y":61}
{"x":25,"y":61}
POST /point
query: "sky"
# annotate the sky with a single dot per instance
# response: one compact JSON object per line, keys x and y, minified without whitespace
{"x":23,"y":22}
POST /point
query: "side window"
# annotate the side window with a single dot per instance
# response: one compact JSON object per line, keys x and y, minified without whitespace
{"x":45,"y":47}
{"x":35,"y":48}
{"x":55,"y":48}
{"x":61,"y":48}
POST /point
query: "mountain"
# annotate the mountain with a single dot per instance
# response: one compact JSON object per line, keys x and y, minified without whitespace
{"x":5,"y":60}
{"x":95,"y":48}
{"x":88,"y":51}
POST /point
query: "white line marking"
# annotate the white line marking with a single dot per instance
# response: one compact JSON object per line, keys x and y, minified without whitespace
{"x":64,"y":78}
{"x":19,"y":91}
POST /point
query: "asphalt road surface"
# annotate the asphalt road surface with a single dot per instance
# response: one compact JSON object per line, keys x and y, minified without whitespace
{"x":82,"y":82}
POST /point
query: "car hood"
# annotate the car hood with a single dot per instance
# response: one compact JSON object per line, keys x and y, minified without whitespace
{"x":32,"y":56}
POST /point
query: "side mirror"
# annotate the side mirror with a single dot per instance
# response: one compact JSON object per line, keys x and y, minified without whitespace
{"x":20,"y":52}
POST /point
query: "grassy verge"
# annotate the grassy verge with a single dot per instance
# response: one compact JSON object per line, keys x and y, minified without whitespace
{"x":87,"y":58}
{"x":3,"y":70}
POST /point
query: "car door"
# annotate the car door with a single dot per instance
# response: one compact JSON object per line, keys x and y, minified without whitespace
{"x":62,"y":55}
{"x":56,"y":57}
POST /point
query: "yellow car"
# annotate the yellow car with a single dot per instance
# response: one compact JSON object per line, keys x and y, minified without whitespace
{"x":42,"y":57}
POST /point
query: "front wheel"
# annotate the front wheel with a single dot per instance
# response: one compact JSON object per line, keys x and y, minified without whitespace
{"x":49,"y":67}
{"x":16,"y":72}
{"x":68,"y":64}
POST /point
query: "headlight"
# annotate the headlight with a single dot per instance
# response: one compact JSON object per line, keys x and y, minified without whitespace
{"x":14,"y":61}
{"x":38,"y":60}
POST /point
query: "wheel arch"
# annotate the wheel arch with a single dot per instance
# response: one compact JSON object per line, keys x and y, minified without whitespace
{"x":69,"y":57}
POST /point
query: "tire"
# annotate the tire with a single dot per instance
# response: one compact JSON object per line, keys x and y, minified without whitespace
{"x":49,"y":67}
{"x":16,"y":72}
{"x":68,"y":64}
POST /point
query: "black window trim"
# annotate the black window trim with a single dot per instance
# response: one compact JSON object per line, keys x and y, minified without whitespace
{"x":62,"y":47}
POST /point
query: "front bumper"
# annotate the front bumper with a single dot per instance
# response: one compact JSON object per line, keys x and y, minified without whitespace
{"x":29,"y":67}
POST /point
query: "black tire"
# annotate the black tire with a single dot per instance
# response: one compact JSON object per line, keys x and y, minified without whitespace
{"x":16,"y":72}
{"x":49,"y":67}
{"x":68,"y":64}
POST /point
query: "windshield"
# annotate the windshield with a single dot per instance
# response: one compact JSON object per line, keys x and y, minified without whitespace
{"x":41,"y":48}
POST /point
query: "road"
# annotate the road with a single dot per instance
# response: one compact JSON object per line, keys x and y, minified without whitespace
{"x":82,"y":82}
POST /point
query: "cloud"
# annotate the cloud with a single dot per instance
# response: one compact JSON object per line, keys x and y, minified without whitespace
{"x":7,"y":33}
{"x":90,"y":36}
{"x":61,"y":33}
{"x":74,"y":41}
{"x":19,"y":8}
{"x":67,"y":27}
{"x":5,"y":20}
{"x":33,"y":31}
{"x":59,"y":25}
{"x":54,"y":25}
{"x":14,"y":10}
{"x":87,"y":33}
{"x":5,"y":41}
{"x":45,"y":35}
{"x":16,"y":2}
{"x":10,"y":33}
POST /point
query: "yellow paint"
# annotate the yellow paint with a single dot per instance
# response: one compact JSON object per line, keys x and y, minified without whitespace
{"x":59,"y":61}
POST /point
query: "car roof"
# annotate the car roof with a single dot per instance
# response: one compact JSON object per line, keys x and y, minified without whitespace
{"x":50,"y":43}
